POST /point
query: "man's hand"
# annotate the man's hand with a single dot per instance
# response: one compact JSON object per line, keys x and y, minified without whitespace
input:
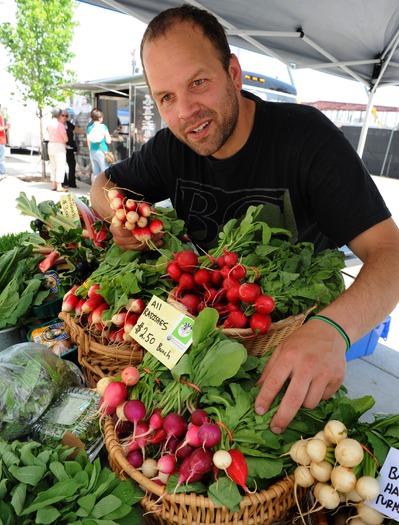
{"x":124,"y":238}
{"x":312,"y":360}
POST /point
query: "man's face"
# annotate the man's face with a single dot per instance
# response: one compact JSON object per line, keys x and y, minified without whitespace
{"x":195,"y":96}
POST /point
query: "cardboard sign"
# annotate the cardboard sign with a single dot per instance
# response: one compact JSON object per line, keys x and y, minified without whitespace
{"x":69,"y":208}
{"x":163,"y":331}
{"x":387,"y":501}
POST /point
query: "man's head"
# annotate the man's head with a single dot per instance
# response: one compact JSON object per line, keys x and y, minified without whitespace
{"x":194,"y":80}
{"x":96,"y":114}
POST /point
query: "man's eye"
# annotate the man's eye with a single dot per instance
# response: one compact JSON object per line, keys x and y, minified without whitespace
{"x":198,"y":82}
{"x":166,"y":98}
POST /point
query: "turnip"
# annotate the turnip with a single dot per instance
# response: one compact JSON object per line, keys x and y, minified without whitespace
{"x":367,"y":487}
{"x":368,"y":514}
{"x":298,"y":453}
{"x":335,"y":431}
{"x":349,"y":452}
{"x":316,"y":449}
{"x":328,"y":497}
{"x":303,"y":477}
{"x":343,"y":479}
{"x":321,"y":471}
{"x":353,"y":496}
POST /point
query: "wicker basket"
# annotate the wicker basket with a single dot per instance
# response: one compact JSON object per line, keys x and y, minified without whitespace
{"x":256,"y":344}
{"x":99,"y":360}
{"x":276,"y":505}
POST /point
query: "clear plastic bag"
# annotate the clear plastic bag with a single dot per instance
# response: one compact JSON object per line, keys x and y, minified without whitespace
{"x":31,"y":377}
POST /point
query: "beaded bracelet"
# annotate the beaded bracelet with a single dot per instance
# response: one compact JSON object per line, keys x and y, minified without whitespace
{"x":336,"y":326}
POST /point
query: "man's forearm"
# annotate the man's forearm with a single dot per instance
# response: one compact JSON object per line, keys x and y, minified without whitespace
{"x":98,"y":196}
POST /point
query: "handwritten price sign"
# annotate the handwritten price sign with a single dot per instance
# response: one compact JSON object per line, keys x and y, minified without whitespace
{"x":163,"y":331}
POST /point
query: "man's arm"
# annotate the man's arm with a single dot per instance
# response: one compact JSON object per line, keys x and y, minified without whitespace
{"x":312,"y":358}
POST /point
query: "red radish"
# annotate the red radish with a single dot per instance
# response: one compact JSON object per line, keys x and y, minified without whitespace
{"x":225,"y":271}
{"x":233,"y":307}
{"x":135,"y":458}
{"x":78,"y":308}
{"x":174,"y":425}
{"x":142,"y":222}
{"x":216,"y":277}
{"x":115,"y":394}
{"x":114,"y":194}
{"x":116,"y":335}
{"x":209,"y":435}
{"x":260,"y":323}
{"x":116,"y":203}
{"x":230,"y":259}
{"x":238,"y":469}
{"x":166,"y":463}
{"x":186,"y":474}
{"x":238,"y":271}
{"x":183,"y":450}
{"x":93,"y":290}
{"x":119,"y":318}
{"x":187,"y":260}
{"x":201,"y":461}
{"x":132,"y":217}
{"x":142,"y":234}
{"x":130,"y":375}
{"x":264,"y":304}
{"x":236,"y":319}
{"x":97,"y":313}
{"x":134,"y":410}
{"x":220,"y":261}
{"x":69,"y":303}
{"x":174,"y":271}
{"x":158,"y":437}
{"x":199,"y":417}
{"x":186,"y":282}
{"x":210,"y":295}
{"x":130,"y":322}
{"x":121,"y":214}
{"x":191,"y":302}
{"x":116,"y":222}
{"x":249,"y":292}
{"x":136,"y":305}
{"x":130,"y":204}
{"x":144,"y":209}
{"x":105,"y":409}
{"x":202,"y":277}
{"x":230,"y":282}
{"x":71,"y":291}
{"x":156,"y":226}
{"x":91,"y":304}
{"x":232,"y":294}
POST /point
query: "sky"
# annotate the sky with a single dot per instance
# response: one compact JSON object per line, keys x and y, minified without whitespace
{"x":120,"y":43}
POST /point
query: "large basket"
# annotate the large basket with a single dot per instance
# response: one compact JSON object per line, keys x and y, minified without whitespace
{"x":276,"y":505}
{"x":98,"y":360}
{"x":257,"y":344}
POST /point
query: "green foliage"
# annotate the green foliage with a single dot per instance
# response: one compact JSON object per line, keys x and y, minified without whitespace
{"x":39,"y":48}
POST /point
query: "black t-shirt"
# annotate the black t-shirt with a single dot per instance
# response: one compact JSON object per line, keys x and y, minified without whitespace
{"x":295,"y":160}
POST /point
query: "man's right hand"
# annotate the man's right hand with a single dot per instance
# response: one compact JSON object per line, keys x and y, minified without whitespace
{"x":124,"y":238}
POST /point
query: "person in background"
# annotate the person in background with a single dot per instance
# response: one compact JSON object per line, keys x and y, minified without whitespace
{"x":98,"y":138}
{"x":224,"y":149}
{"x":4,"y":126}
{"x":58,"y":138}
{"x":71,"y":149}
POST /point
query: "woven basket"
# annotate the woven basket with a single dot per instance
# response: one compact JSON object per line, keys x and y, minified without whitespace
{"x":257,"y":344}
{"x":98,"y":360}
{"x":276,"y":505}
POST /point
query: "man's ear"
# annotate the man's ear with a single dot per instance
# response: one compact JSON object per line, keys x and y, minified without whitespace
{"x":235,"y":72}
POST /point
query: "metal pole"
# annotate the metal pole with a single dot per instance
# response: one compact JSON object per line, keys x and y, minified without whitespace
{"x":387,"y":151}
{"x":365,"y":127}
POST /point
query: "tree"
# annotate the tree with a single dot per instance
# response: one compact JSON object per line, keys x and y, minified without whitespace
{"x":38,"y":45}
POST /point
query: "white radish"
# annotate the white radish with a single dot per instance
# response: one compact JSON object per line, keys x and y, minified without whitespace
{"x":102,"y":384}
{"x":335,"y":431}
{"x":298,"y":453}
{"x":349,"y":452}
{"x":368,"y":487}
{"x":328,"y":497}
{"x":149,"y":468}
{"x":369,"y":515}
{"x":321,"y":471}
{"x":303,"y":476}
{"x":316,"y":449}
{"x":222,"y":459}
{"x":343,"y":479}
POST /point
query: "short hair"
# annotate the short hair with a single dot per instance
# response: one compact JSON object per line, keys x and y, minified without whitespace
{"x":206,"y":21}
{"x":96,"y":114}
{"x":56,"y":112}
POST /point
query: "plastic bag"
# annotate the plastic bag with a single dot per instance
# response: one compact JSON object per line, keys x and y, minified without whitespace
{"x":31,"y":377}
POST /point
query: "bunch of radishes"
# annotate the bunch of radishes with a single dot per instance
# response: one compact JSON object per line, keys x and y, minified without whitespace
{"x":224,"y":286}
{"x":330,"y":462}
{"x":136,"y":216}
{"x":161,"y":445}
{"x":91,"y":310}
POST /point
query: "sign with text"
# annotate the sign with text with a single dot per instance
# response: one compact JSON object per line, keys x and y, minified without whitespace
{"x":69,"y":208}
{"x":387,"y":501}
{"x":163,"y":331}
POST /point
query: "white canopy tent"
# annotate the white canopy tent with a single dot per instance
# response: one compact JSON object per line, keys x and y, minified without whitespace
{"x":354,"y":39}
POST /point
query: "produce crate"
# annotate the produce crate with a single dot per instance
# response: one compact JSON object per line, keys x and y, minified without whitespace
{"x":366,"y":345}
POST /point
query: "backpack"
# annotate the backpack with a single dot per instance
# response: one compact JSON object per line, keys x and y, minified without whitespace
{"x":97,"y":133}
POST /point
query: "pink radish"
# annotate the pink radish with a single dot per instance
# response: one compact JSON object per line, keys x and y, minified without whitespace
{"x":199,"y":417}
{"x":209,"y":435}
{"x":166,"y":463}
{"x":130,"y":375}
{"x":115,"y":394}
{"x":135,"y":458}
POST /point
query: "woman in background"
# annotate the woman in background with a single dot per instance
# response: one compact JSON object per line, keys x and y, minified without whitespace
{"x":98,"y":138}
{"x":57,"y":148}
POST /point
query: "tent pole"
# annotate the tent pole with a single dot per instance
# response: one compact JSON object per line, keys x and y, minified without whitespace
{"x":365,"y":127}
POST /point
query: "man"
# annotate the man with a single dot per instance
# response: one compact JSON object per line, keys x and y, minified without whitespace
{"x":223,"y":150}
{"x":3,"y":140}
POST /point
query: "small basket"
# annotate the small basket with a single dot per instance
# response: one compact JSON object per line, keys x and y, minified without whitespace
{"x":257,"y":344}
{"x":98,"y":360}
{"x":275,"y":505}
